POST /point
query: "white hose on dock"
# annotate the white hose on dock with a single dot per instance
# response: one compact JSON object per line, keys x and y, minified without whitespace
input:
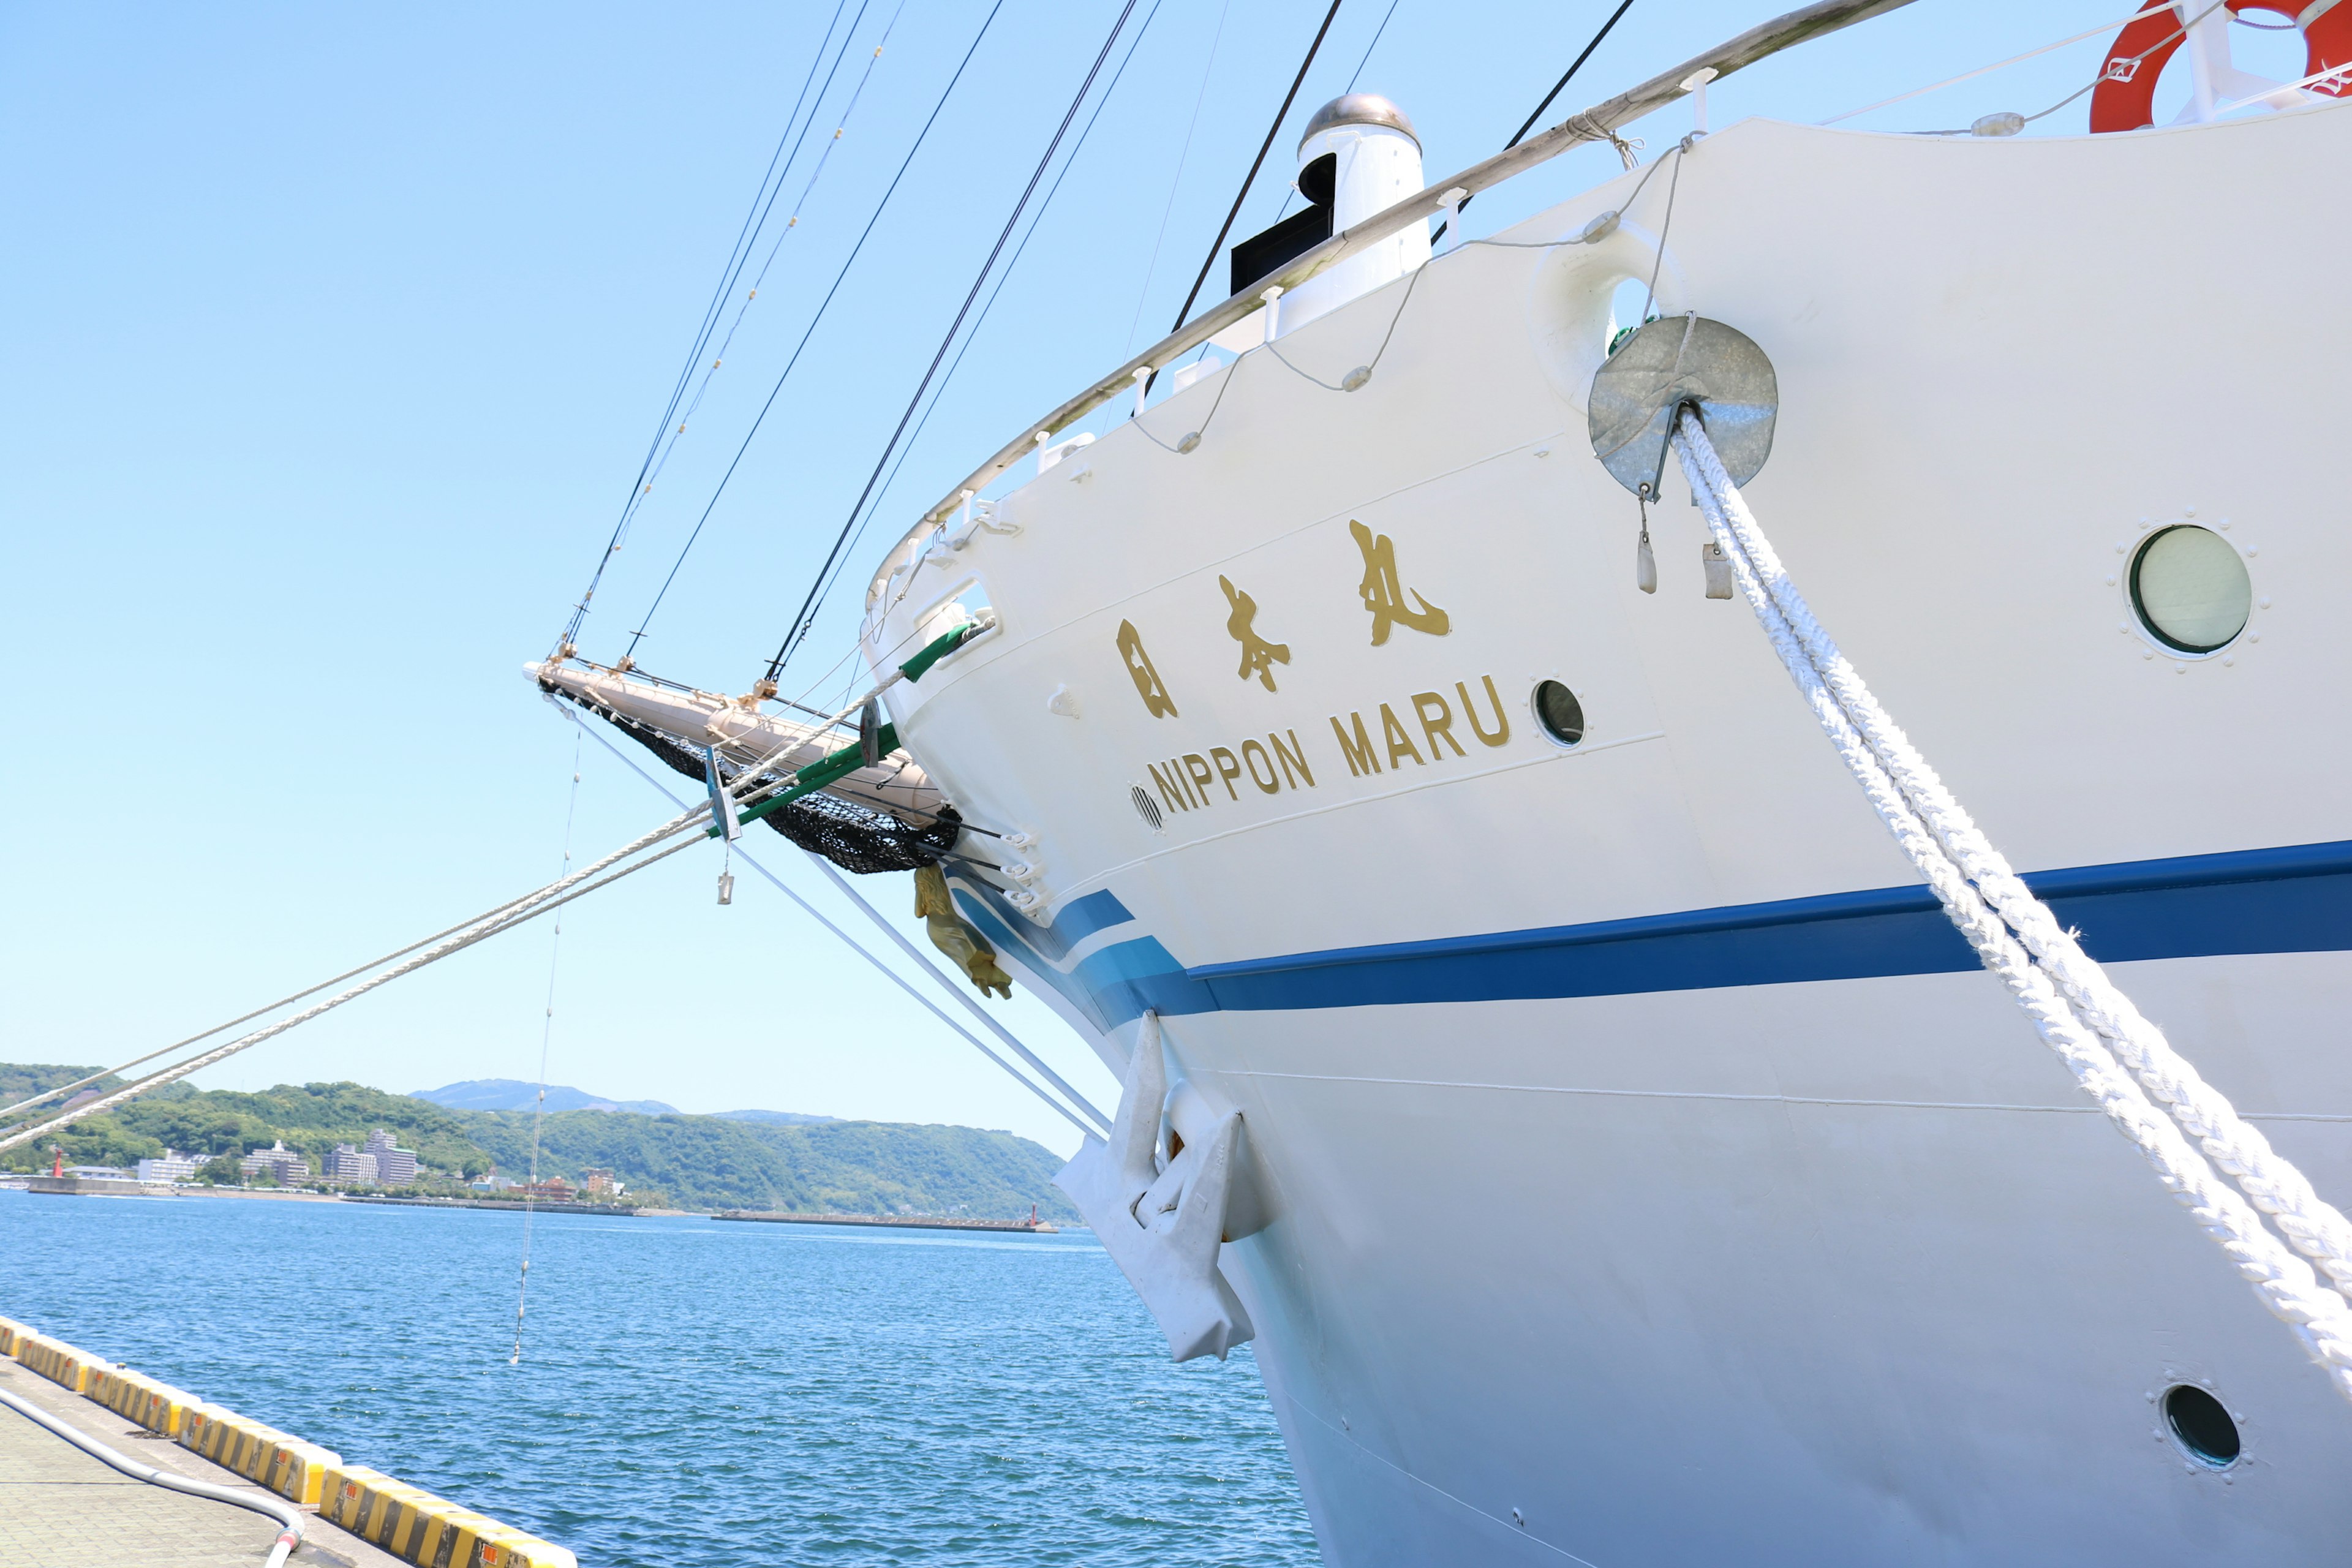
{"x":287,"y":1516}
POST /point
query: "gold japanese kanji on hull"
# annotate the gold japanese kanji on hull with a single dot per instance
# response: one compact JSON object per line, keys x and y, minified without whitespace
{"x":1156,"y":700}
{"x":1384,"y":596}
{"x":1258,"y":656}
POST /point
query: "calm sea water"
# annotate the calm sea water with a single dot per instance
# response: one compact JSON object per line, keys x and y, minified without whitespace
{"x":691,"y":1393}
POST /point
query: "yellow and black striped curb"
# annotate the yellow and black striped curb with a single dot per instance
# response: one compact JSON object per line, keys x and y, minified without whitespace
{"x":417,"y":1527}
{"x":407,"y":1522}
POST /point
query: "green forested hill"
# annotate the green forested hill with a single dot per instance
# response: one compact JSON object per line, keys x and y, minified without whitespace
{"x":849,"y":1167}
{"x":696,"y":1162}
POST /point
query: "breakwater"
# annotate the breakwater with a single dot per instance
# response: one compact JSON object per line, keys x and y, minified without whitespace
{"x":894,"y":1222}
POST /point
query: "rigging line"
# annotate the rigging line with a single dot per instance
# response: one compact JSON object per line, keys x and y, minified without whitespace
{"x":1520,"y":134}
{"x":539,"y":903}
{"x":906,"y":946}
{"x":763,"y":205}
{"x":1003,"y":277}
{"x":1176,"y":184}
{"x":840,"y":126}
{"x":2104,"y":71}
{"x":546,"y":1036}
{"x":866,"y":954}
{"x":503,"y":917}
{"x":1248,"y":180}
{"x":1666,"y":228}
{"x":1373,"y":45}
{"x":267,"y":1009}
{"x":728,"y":274}
{"x":823,"y":305}
{"x":922,"y":963}
{"x":1355,"y":78}
{"x":790,"y":225}
{"x":800,"y":621}
{"x":2155,"y":10}
{"x":664,"y":438}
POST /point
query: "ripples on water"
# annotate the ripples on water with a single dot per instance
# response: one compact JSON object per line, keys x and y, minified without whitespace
{"x":691,"y":1393}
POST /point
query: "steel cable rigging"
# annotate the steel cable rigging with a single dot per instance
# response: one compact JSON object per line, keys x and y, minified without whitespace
{"x":802,"y":619}
{"x":1255,"y":164}
{"x":1002,"y":277}
{"x":638,"y":636}
{"x":753,"y":219}
{"x":791,"y":225}
{"x":1354,"y":76}
{"x":1528,"y":124}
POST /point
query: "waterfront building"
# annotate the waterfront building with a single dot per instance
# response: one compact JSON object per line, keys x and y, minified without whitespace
{"x":394,"y":1166}
{"x":554,"y":1190}
{"x":283,"y":1162}
{"x":173,"y":1166}
{"x":601,"y":1183}
{"x":103,"y":1172}
{"x":348,"y":1164}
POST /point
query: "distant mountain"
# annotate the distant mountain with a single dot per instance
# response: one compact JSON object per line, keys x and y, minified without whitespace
{"x":775,"y":1118}
{"x":513,"y":1094}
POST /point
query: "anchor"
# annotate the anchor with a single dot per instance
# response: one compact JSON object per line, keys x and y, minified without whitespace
{"x":1164,"y":1226}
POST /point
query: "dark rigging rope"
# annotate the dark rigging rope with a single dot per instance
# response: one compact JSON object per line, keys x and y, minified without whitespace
{"x":805,"y":617}
{"x":754,"y":220}
{"x":1385,"y":18}
{"x":1520,"y":134}
{"x":815,"y":321}
{"x":1255,"y":164}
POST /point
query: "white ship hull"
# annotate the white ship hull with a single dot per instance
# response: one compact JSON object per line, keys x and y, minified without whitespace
{"x":1653,"y":1176}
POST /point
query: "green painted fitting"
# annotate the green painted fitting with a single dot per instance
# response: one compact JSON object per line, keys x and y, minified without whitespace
{"x":920,"y":665}
{"x":817,"y":776}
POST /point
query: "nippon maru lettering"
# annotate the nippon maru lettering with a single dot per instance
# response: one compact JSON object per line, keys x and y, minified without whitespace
{"x":1623,"y":1139}
{"x":1190,"y":781}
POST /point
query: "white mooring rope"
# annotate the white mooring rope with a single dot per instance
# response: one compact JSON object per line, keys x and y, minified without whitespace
{"x":2078,"y":1012}
{"x":555,"y":895}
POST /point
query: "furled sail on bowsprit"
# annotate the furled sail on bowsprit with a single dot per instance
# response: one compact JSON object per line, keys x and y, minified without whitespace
{"x":887,"y":816}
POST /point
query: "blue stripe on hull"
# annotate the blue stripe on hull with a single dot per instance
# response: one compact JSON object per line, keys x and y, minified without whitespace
{"x":2292,"y":900}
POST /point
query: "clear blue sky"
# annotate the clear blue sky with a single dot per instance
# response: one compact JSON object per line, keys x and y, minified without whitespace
{"x":333,"y":337}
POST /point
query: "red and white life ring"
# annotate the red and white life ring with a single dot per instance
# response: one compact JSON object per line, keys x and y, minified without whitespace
{"x":2124,"y":97}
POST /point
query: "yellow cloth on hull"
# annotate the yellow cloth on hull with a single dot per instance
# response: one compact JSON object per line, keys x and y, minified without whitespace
{"x":955,"y":936}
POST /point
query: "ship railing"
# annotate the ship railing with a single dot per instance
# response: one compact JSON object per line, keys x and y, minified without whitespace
{"x":1597,"y":123}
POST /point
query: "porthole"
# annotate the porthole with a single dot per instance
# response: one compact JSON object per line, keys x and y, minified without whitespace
{"x":2190,"y":590}
{"x":2202,"y":1425}
{"x":1560,"y":714}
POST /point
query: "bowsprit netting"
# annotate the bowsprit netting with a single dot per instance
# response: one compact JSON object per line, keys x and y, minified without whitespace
{"x":853,"y":835}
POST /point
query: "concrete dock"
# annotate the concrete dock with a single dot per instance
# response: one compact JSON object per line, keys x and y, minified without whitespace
{"x":61,"y":1508}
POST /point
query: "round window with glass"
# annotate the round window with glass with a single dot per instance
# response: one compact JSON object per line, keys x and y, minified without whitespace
{"x":2190,"y":589}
